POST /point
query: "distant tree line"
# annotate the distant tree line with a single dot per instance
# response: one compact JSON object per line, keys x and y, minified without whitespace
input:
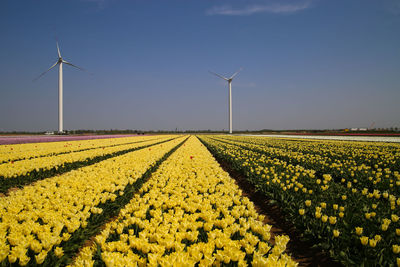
{"x":106,"y":132}
{"x":129,"y":131}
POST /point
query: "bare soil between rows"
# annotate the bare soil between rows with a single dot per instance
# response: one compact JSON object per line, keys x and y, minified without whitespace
{"x":300,"y":250}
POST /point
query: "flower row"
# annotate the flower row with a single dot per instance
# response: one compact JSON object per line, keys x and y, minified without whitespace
{"x":355,"y":170}
{"x":382,"y":155}
{"x":33,"y":150}
{"x":189,"y":213}
{"x":40,"y":218}
{"x":327,"y":212}
{"x":352,"y":177}
{"x":25,"y":167}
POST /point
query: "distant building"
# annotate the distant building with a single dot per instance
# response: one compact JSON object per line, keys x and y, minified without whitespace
{"x":358,"y":129}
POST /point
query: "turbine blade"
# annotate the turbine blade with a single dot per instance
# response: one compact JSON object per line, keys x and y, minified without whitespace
{"x":58,"y":50}
{"x":236,"y":73}
{"x":222,"y":77}
{"x":45,"y":71}
{"x":66,"y":62}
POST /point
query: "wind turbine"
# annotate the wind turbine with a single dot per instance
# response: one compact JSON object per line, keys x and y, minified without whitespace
{"x":60,"y":61}
{"x":229,"y":80}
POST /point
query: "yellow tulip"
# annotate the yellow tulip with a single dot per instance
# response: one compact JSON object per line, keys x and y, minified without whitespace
{"x":336,"y":233}
{"x":41,"y":257}
{"x":372,"y":243}
{"x":59,"y":252}
{"x":364,"y":240}
{"x":359,"y":230}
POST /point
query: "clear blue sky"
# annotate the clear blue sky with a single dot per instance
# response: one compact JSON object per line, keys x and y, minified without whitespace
{"x":307,"y":64}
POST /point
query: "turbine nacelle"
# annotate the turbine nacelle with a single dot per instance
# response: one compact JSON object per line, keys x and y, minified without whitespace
{"x":230,"y":79}
{"x":59,"y":61}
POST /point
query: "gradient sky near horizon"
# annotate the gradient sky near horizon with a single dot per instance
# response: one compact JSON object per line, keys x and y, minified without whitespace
{"x":307,"y":64}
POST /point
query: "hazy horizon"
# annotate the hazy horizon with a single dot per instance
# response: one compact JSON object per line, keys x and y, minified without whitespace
{"x":349,"y":130}
{"x":307,"y":64}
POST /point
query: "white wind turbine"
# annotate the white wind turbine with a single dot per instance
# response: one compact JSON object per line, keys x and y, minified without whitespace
{"x":229,"y":80}
{"x":59,"y":62}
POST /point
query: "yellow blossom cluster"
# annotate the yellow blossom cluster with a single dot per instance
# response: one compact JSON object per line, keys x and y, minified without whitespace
{"x":23,"y":167}
{"x":189,"y":212}
{"x":40,"y":216}
{"x":330,"y":185}
{"x":383,"y":153}
{"x":34,"y":150}
{"x":272,"y":169}
{"x":256,"y":161}
{"x":358,"y":163}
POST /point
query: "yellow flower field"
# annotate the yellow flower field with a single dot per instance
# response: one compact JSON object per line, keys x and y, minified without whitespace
{"x":344,"y":196}
{"x":190,"y":212}
{"x":34,"y":150}
{"x":39,"y":217}
{"x":23,"y":167}
{"x":165,"y":201}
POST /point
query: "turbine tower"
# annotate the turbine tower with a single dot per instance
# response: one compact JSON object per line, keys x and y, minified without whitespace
{"x":60,"y":61}
{"x":229,"y":80}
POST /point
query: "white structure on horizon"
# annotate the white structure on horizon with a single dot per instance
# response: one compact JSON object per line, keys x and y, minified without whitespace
{"x":358,"y":129}
{"x":60,"y":62}
{"x":229,"y":80}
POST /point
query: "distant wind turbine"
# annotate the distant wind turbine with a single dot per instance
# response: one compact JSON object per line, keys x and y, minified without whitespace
{"x":229,"y":80}
{"x":59,"y":62}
